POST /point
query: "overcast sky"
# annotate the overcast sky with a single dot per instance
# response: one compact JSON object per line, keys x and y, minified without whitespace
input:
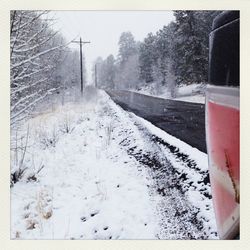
{"x":103,"y":29}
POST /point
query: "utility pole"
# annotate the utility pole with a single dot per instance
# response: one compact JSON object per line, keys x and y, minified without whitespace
{"x":81,"y":42}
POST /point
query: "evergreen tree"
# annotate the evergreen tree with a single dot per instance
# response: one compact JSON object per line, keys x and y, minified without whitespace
{"x":110,"y":71}
{"x":164,"y":50}
{"x":99,"y":67}
{"x":192,"y":30}
{"x":147,"y":58}
{"x":127,"y":64}
{"x":127,"y":47}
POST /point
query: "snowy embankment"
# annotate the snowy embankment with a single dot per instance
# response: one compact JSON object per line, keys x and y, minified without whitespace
{"x":188,"y":93}
{"x":95,"y":171}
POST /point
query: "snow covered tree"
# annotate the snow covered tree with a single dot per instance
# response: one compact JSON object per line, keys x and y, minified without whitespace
{"x":203,"y":28}
{"x":99,"y":66}
{"x":128,"y":76}
{"x":127,"y":73}
{"x":191,"y":44}
{"x":187,"y":47}
{"x":110,"y":72}
{"x":127,"y":47}
{"x":35,"y":51}
{"x":156,"y":59}
{"x":147,"y":58}
{"x":164,"y":51}
{"x":68,"y":72}
{"x":106,"y":70}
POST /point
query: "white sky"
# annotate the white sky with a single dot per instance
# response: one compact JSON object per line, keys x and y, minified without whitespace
{"x":103,"y":29}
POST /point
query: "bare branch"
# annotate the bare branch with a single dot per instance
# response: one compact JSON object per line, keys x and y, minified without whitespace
{"x":23,"y":76}
{"x":30,"y":105}
{"x":25,"y":98}
{"x":37,"y":45}
{"x":12,"y":23}
{"x":35,"y":56}
{"x":30,"y":21}
{"x":24,"y":152}
{"x":15,"y":39}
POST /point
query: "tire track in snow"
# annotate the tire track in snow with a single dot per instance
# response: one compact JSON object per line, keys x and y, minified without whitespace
{"x":180,"y":218}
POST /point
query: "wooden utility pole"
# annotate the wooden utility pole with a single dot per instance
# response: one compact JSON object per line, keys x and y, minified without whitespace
{"x":81,"y":42}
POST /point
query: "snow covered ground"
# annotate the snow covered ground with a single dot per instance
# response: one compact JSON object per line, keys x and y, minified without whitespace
{"x":95,"y":171}
{"x":189,"y":93}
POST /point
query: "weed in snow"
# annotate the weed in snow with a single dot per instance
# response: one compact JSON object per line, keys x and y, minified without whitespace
{"x":18,"y":157}
{"x":99,"y":189}
{"x":48,"y":138}
{"x":66,"y":126}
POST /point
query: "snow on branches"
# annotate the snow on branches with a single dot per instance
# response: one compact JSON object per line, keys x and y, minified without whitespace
{"x":36,"y":50}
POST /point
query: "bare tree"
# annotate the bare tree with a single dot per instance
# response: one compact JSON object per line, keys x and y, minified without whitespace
{"x":35,"y":50}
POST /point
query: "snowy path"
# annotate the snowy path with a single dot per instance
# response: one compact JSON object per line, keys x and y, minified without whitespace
{"x":109,"y":175}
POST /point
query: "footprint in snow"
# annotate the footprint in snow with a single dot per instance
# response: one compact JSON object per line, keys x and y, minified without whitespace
{"x":100,"y":235}
{"x":93,"y":214}
{"x":85,"y":218}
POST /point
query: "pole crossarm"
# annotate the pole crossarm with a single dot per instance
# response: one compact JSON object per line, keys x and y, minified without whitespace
{"x":80,"y":42}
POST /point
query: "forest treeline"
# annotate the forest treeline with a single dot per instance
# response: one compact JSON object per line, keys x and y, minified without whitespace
{"x":176,"y":54}
{"x":40,"y":61}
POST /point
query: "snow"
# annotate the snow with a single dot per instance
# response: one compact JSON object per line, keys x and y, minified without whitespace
{"x":35,"y":56}
{"x":84,"y":179}
{"x":188,"y":93}
{"x":85,"y":184}
{"x":199,"y":157}
{"x":194,"y":98}
{"x":195,"y":173}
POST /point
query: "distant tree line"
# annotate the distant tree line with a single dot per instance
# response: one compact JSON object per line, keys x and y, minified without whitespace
{"x":177,"y":53}
{"x":40,"y":61}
